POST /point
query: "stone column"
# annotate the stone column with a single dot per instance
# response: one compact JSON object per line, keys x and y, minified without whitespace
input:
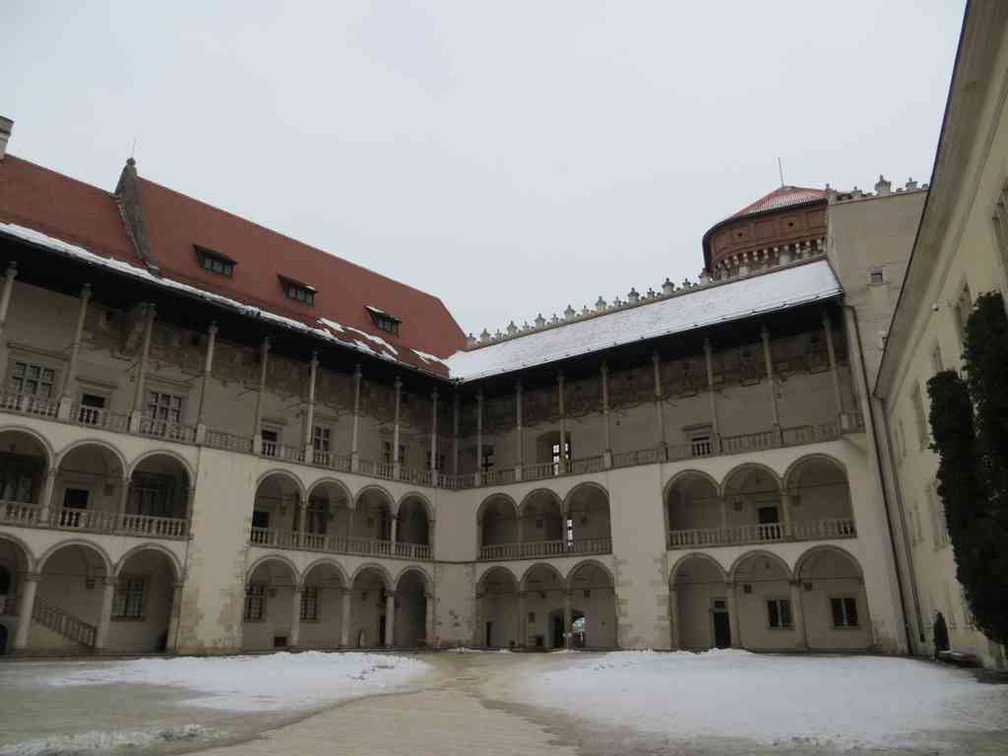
{"x":522,"y":619}
{"x":5,"y":298}
{"x":205,"y":380}
{"x":26,"y":607}
{"x":355,"y":430}
{"x":295,"y":630}
{"x":124,"y":502}
{"x":834,"y":373}
{"x":607,"y":455}
{"x":563,"y":467}
{"x":659,"y":404}
{"x":138,"y":390}
{"x":479,"y":437}
{"x":712,"y":396}
{"x":429,"y":619}
{"x":173,"y":618}
{"x":394,"y":530}
{"x":45,"y":500}
{"x":257,"y":429}
{"x":733,"y":621}
{"x":390,"y":619}
{"x":568,"y":617}
{"x":519,"y":432}
{"x":674,"y":619}
{"x":396,"y":465}
{"x":105,"y":613}
{"x":455,"y":433}
{"x":310,"y":409}
{"x":798,"y":614}
{"x":765,"y":335}
{"x":433,"y":437}
{"x":66,"y":399}
{"x":345,"y":617}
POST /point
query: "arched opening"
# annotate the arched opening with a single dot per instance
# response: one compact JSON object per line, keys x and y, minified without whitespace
{"x":23,"y":467}
{"x":766,"y":615}
{"x":541,"y":527}
{"x":700,"y":607}
{"x":413,"y":528}
{"x":276,"y":510}
{"x":497,"y":521}
{"x":269,"y":607}
{"x":370,"y":608}
{"x":321,"y":616}
{"x":14,"y":565}
{"x":142,"y":603}
{"x":411,"y":610}
{"x":500,"y":611}
{"x":588,"y":523}
{"x":753,"y":504}
{"x":833,"y":600}
{"x":545,"y":600}
{"x":373,"y":515}
{"x":594,"y":607}
{"x":694,"y":511}
{"x":68,"y":603}
{"x":158,"y":500}
{"x":90,"y":489}
{"x":819,"y":502}
{"x":328,"y":514}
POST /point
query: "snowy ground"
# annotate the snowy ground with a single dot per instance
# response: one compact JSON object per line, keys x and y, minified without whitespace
{"x":843,"y":701}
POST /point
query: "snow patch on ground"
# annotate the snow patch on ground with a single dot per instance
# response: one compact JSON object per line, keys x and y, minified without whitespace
{"x":841,"y":700}
{"x":104,"y":741}
{"x":258,"y":683}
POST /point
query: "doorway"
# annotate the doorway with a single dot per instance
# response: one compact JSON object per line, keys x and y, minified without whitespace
{"x":721,"y":623}
{"x":381,"y":631}
{"x":489,"y":634}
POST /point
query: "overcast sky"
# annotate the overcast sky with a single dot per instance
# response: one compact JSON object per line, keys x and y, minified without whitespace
{"x":509,"y":157}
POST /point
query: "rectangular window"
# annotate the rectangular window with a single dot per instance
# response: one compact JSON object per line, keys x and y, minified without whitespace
{"x":17,"y":476}
{"x":779,"y":613}
{"x":387,"y":453}
{"x":255,"y":602}
{"x":488,"y":457}
{"x":164,"y":407}
{"x":920,"y":416}
{"x":270,"y":440}
{"x":876,"y":276}
{"x":299,"y":292}
{"x":90,"y":411}
{"x":32,"y":380}
{"x":936,"y":359}
{"x":383,"y":321}
{"x":152,"y":494}
{"x":214,"y":262}
{"x":320,"y":438}
{"x":844,"y":610}
{"x":260,"y":519}
{"x":309,"y":604}
{"x":127,"y":603}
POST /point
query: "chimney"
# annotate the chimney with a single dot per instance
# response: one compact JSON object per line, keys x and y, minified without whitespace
{"x":6,"y":127}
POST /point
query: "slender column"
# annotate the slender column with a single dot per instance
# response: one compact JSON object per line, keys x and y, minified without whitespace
{"x":68,"y":375}
{"x":785,"y":508}
{"x":310,"y":409}
{"x":659,"y":404}
{"x":765,"y":335}
{"x":345,"y":617}
{"x":519,"y":431}
{"x":26,"y":606}
{"x":5,"y":298}
{"x":45,"y":500}
{"x":429,"y":619}
{"x":455,"y":433}
{"x":295,"y":628}
{"x":205,"y":379}
{"x":798,"y":614}
{"x":607,"y":456}
{"x":834,"y":373}
{"x":390,"y":619}
{"x":674,"y":619}
{"x":394,"y":530}
{"x":563,"y":424}
{"x":522,"y":618}
{"x":354,"y":456}
{"x":123,"y":502}
{"x":173,"y":618}
{"x":733,"y":622}
{"x":712,"y":396}
{"x":105,"y":615}
{"x":568,"y":617}
{"x":138,"y":391}
{"x":479,"y":437}
{"x":433,"y":436}
{"x":257,"y":429}
{"x":396,"y":464}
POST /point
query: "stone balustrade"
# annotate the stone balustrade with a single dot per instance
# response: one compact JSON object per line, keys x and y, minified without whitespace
{"x":92,"y":520}
{"x":538,"y":549}
{"x":338,"y":544}
{"x":733,"y":535}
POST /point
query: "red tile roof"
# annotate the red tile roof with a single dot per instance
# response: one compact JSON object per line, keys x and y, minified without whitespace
{"x":783,"y":196}
{"x":75,"y":212}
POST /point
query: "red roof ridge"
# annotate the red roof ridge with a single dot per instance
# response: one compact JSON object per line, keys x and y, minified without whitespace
{"x":783,"y":196}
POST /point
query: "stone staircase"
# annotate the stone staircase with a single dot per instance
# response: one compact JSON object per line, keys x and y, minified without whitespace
{"x":63,"y":623}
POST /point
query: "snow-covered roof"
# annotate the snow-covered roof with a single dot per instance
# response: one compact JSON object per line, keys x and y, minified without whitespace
{"x":715,"y":303}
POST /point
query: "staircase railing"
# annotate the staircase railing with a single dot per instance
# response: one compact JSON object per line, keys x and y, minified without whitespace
{"x":64,"y":623}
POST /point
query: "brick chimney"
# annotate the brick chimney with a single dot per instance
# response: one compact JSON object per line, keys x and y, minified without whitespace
{"x":6,"y":126}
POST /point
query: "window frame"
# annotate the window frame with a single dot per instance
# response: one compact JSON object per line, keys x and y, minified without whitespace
{"x":298,"y":291}
{"x":46,"y":376}
{"x":255,"y":596}
{"x":129,"y":605}
{"x":213,"y":261}
{"x":844,"y":605}
{"x":784,"y":615}
{"x":309,"y":599}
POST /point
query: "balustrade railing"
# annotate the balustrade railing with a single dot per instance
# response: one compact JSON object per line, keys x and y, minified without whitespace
{"x":19,"y":513}
{"x":540,"y":471}
{"x":498,"y":477}
{"x":283,"y":451}
{"x":537,"y":549}
{"x":33,"y":405}
{"x":63,"y":622}
{"x":636,"y":457}
{"x":412,"y":550}
{"x":337,"y":544}
{"x":228,"y":441}
{"x":93,"y":520}
{"x":338,"y":462}
{"x":149,"y":426}
{"x":159,"y":527}
{"x":96,"y":417}
{"x":586,"y":465}
{"x":801,"y":530}
{"x":70,"y":518}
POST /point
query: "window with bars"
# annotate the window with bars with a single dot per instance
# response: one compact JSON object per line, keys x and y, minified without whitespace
{"x":309,"y":603}
{"x":128,"y":600}
{"x":255,"y":602}
{"x":164,"y":407}
{"x":779,"y":613}
{"x":844,"y":611}
{"x":32,"y":380}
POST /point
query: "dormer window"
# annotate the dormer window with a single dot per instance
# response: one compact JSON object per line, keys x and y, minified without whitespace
{"x":383,"y":321}
{"x":298,"y":291}
{"x":214,"y":262}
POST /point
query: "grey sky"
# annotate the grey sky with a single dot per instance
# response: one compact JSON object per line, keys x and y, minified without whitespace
{"x":509,"y":157}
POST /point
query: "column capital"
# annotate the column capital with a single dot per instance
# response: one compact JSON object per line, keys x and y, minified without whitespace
{"x":212,"y":328}
{"x":314,"y":358}
{"x":109,"y":580}
{"x":32,"y":577}
{"x":86,"y":291}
